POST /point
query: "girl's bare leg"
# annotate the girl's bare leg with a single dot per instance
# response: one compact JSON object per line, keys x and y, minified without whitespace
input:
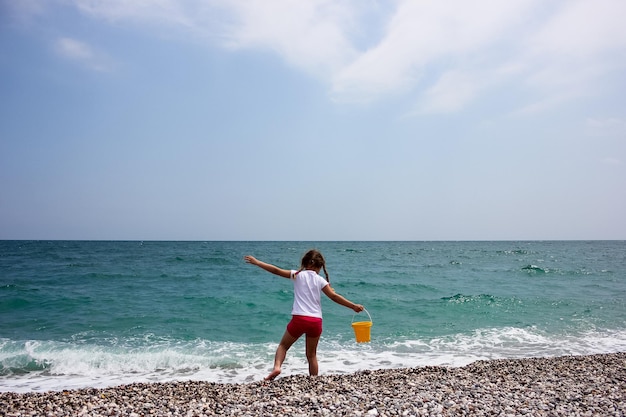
{"x":281,"y":353}
{"x":311,"y":354}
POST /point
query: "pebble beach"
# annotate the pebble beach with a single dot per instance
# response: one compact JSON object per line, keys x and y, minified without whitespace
{"x":592,"y":385}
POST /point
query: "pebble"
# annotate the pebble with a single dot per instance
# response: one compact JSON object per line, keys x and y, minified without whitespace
{"x":593,"y":385}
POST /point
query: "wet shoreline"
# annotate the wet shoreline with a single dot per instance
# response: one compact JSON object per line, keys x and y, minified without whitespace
{"x":568,"y":385}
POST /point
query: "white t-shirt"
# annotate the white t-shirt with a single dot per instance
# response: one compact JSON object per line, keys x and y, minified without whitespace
{"x":307,"y":287}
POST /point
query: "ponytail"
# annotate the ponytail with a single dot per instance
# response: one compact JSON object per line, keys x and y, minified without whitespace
{"x":315,"y":259}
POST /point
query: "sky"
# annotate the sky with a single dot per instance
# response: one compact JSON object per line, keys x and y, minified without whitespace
{"x":316,"y":120}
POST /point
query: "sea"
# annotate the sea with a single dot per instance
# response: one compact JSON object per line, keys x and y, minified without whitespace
{"x":76,"y":314}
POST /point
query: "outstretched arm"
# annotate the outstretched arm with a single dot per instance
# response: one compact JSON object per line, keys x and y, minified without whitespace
{"x":330,"y":293}
{"x":285,"y":273}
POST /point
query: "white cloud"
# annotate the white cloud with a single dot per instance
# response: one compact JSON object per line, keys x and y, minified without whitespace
{"x":82,"y":53}
{"x":581,"y":29}
{"x":608,"y":126}
{"x":451,"y":92}
{"x":443,"y":54}
{"x":74,"y":49}
{"x":310,"y":35}
{"x":572,"y":50}
{"x":151,"y":11}
{"x":543,"y":104}
{"x":427,"y":36}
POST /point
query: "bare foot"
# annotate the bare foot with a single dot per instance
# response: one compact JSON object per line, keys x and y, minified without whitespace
{"x":273,"y":375}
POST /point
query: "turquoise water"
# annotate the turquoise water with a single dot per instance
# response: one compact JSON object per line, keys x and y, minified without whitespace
{"x":77,"y":313}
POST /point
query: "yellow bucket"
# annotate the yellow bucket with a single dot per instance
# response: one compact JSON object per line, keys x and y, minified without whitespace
{"x":362,"y":329}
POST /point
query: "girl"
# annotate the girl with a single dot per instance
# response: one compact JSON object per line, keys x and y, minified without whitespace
{"x":307,"y":306}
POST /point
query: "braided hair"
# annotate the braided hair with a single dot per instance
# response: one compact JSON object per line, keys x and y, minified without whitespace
{"x":314,"y":259}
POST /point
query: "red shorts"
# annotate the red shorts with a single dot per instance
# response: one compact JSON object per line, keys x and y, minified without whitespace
{"x":300,"y":325}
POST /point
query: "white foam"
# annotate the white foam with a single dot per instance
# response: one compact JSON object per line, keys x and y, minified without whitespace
{"x":70,"y":366}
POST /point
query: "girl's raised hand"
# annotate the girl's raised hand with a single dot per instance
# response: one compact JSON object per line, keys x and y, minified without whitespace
{"x":250,"y":259}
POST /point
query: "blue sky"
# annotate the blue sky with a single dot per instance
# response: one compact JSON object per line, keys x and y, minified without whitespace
{"x":312,"y":120}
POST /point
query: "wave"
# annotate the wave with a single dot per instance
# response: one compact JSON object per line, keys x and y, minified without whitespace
{"x":47,"y":365}
{"x":534,"y":268}
{"x":516,"y":252}
{"x":462,"y":298}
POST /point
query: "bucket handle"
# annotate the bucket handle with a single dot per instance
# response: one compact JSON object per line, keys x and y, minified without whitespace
{"x":368,"y":314}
